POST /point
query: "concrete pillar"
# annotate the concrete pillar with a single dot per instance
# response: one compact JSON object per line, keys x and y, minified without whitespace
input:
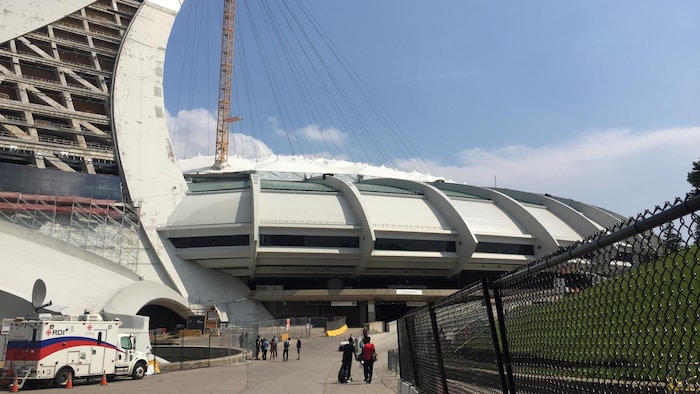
{"x":371,"y":313}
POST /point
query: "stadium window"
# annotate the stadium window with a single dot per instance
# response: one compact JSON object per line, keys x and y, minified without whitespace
{"x":495,"y":247}
{"x":309,"y":241}
{"x":211,"y":241}
{"x":415,"y":245}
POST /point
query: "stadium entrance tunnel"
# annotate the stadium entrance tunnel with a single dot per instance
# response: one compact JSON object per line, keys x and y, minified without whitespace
{"x":164,"y":307}
{"x":162,"y":317}
{"x":390,"y":311}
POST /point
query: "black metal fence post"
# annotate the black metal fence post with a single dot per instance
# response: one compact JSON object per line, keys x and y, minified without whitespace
{"x":494,"y":334}
{"x":504,"y":339}
{"x":412,"y":352}
{"x":438,"y":348}
{"x":153,"y":350}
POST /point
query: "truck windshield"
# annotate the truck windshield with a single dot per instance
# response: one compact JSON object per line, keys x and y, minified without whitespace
{"x":126,"y":343}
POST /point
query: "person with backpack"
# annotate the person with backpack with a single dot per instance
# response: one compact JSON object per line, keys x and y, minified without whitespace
{"x":360,"y":345}
{"x":265,"y":347}
{"x":285,"y":351}
{"x":368,"y":357}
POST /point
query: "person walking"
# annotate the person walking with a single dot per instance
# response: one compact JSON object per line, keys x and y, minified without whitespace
{"x":360,"y":345}
{"x":368,"y":357}
{"x":257,"y":347}
{"x":298,"y":348}
{"x":348,"y":357}
{"x":285,"y":351}
{"x":355,"y":343}
{"x":265,"y":347}
{"x":273,"y":347}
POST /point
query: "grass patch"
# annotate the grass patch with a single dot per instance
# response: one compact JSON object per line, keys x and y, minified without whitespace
{"x":641,"y":325}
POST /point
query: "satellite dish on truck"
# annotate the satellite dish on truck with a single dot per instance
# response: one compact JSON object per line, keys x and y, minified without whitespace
{"x":38,"y":295}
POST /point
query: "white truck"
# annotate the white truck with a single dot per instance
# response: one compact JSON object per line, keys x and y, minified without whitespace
{"x":4,"y":330}
{"x":43,"y":347}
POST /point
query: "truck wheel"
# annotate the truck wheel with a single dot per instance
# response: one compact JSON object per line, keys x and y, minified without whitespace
{"x":139,"y":370}
{"x":62,"y":377}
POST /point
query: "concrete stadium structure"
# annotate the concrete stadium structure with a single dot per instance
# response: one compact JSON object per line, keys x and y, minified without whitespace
{"x":85,"y":154}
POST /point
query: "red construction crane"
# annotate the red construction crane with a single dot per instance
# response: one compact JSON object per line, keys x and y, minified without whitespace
{"x":224,"y":118}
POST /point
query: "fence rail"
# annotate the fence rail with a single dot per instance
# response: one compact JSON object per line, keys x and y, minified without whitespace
{"x":617,"y":312}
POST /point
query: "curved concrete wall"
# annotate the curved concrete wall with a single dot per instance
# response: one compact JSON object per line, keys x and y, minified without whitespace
{"x":75,"y":279}
{"x":79,"y":280}
{"x":153,"y":178}
{"x":20,"y":17}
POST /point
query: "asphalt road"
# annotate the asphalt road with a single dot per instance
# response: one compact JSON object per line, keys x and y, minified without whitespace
{"x":315,"y":373}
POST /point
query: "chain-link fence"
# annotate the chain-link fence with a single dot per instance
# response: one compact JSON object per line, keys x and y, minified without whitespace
{"x":616,"y":312}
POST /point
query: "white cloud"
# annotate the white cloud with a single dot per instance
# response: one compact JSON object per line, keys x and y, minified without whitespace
{"x":246,"y":146}
{"x":275,"y":124}
{"x":193,"y":132}
{"x":621,"y":170}
{"x":313,"y":133}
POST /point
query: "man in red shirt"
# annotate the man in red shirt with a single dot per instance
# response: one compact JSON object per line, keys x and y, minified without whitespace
{"x":368,"y":352}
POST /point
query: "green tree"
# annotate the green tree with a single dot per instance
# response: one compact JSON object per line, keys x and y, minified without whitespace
{"x":671,"y":239}
{"x":694,"y":176}
{"x":694,"y":180}
{"x":696,"y":232}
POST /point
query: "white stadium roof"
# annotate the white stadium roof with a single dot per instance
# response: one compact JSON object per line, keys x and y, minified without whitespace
{"x":313,"y":217}
{"x":298,"y":167}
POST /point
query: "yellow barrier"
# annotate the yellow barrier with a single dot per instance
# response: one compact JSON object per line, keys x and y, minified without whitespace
{"x":154,"y":364}
{"x":339,"y":331}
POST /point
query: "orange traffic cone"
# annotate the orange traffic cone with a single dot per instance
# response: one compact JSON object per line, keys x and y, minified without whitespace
{"x":104,"y":379}
{"x":69,"y":383}
{"x":14,"y":387}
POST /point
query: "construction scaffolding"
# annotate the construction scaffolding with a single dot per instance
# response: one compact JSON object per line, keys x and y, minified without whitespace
{"x":103,"y":227}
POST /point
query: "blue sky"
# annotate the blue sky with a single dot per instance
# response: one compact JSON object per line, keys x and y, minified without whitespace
{"x":597,"y":101}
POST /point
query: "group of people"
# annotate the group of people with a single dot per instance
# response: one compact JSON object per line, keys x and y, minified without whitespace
{"x":262,"y":345}
{"x":364,"y":352}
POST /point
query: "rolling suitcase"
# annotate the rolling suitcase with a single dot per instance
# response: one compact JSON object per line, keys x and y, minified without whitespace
{"x":344,"y":373}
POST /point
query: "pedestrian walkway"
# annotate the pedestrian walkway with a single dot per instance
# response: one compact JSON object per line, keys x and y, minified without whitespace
{"x":315,"y":373}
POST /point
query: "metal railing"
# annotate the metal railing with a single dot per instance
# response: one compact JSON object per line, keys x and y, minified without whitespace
{"x":107,"y":230}
{"x":617,"y":312}
{"x":232,"y":343}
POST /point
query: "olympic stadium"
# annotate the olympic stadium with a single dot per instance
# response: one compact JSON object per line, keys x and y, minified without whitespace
{"x":94,"y":202}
